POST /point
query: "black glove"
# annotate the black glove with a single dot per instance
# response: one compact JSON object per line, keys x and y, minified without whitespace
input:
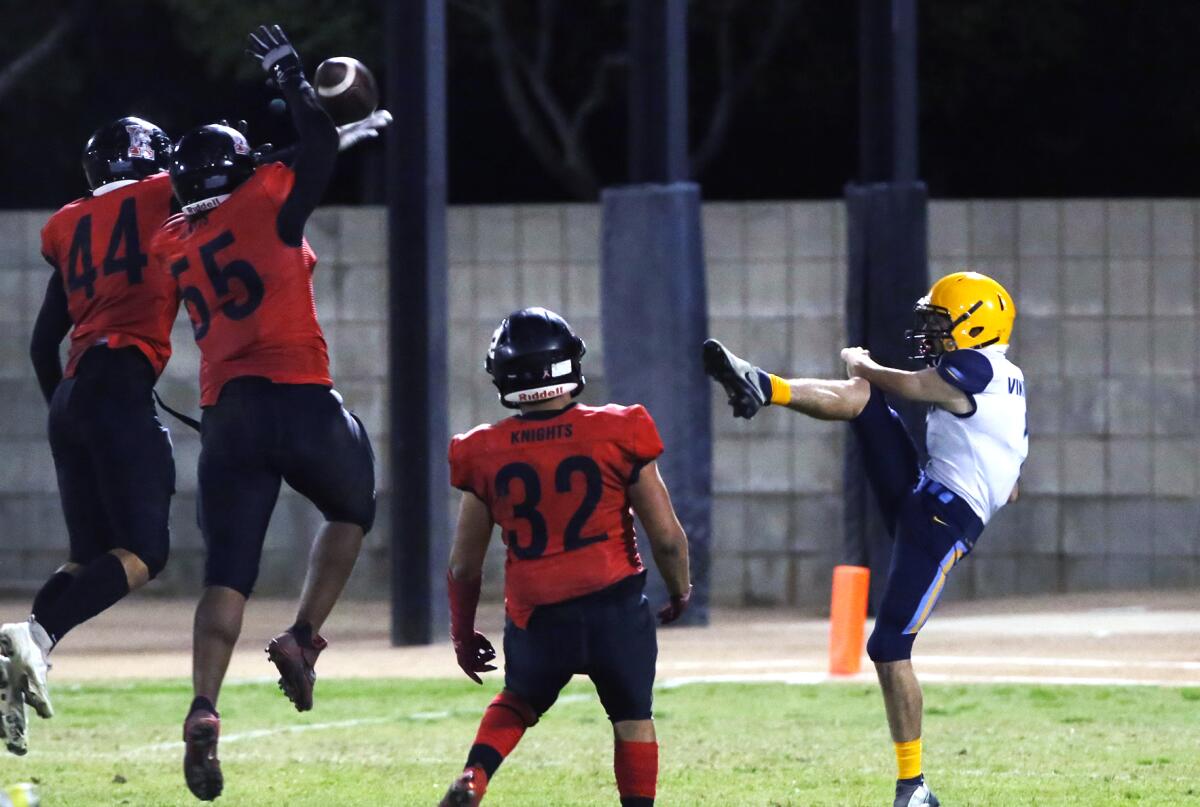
{"x":270,"y":45}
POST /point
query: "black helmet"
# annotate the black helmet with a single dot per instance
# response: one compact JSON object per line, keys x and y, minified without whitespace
{"x":534,"y":356}
{"x":127,"y":148}
{"x":209,"y":162}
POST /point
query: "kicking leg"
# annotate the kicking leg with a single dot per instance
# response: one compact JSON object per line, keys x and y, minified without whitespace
{"x":749,"y":388}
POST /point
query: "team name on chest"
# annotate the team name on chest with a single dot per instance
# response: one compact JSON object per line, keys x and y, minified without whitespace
{"x":1016,"y":387}
{"x":541,"y":433}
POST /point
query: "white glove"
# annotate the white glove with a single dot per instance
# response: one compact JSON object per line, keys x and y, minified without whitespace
{"x":365,"y":129}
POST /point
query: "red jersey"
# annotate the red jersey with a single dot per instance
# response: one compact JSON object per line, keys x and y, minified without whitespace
{"x":98,"y":246}
{"x":557,"y":483}
{"x":249,"y":295}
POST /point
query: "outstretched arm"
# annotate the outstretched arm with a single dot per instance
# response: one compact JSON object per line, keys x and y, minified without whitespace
{"x":925,"y":386}
{"x":53,"y":323}
{"x":316,"y":151}
{"x":668,"y":541}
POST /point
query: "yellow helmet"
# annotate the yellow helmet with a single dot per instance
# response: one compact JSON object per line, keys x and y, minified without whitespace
{"x":962,"y":310}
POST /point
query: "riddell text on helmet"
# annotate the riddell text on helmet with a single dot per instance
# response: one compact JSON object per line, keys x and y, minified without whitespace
{"x":542,"y":394}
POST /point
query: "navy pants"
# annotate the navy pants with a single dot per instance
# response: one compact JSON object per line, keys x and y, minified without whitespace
{"x":608,"y":635}
{"x":116,"y":472}
{"x":931,"y":526}
{"x":258,"y":435}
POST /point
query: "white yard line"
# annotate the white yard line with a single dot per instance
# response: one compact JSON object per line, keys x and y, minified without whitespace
{"x":257,"y":734}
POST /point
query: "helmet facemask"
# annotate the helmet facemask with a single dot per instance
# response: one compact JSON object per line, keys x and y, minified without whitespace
{"x":932,"y":334}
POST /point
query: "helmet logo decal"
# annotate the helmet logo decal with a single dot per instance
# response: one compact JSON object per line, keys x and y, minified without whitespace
{"x":139,"y":142}
{"x":541,"y":393}
{"x":204,"y":204}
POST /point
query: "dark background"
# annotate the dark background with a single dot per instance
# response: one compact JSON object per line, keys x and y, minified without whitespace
{"x":1018,"y":97}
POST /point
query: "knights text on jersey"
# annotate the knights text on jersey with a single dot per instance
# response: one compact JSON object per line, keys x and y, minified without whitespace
{"x":115,"y":297}
{"x":557,"y":483}
{"x":979,"y":456}
{"x":249,"y":295}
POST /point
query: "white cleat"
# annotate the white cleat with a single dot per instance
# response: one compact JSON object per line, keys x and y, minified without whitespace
{"x":12,"y":709}
{"x":915,"y":796}
{"x":28,"y":661}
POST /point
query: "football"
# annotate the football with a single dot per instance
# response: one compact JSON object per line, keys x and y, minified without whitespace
{"x":346,"y":88}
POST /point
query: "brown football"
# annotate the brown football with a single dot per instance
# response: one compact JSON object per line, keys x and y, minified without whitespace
{"x":346,"y":88}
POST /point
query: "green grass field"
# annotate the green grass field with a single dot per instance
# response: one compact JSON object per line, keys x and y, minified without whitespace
{"x":392,"y":742}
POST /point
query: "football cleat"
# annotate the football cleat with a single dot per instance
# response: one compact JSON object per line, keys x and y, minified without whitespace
{"x":739,"y":377}
{"x":12,"y":709}
{"x":295,"y":664}
{"x":463,"y":792}
{"x":915,"y":794}
{"x":201,"y":768}
{"x":28,"y":661}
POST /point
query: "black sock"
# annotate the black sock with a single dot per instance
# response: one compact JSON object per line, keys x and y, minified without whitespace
{"x":916,"y":780}
{"x":485,"y":757}
{"x":50,"y":592}
{"x":637,"y":801}
{"x":101,"y":584}
{"x":203,"y":704}
{"x":303,"y":633}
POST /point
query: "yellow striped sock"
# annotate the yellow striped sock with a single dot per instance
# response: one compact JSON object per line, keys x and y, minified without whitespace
{"x":908,"y":759}
{"x":781,"y":390}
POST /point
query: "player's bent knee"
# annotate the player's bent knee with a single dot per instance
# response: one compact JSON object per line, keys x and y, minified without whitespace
{"x":156,"y":559}
{"x":507,"y":699}
{"x":888,"y":643}
{"x":240,"y":580}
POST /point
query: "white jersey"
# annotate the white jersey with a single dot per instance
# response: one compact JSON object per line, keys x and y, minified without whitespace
{"x":979,"y":456}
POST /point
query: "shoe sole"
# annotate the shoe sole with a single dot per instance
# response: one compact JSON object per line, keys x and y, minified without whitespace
{"x":36,"y":694}
{"x":458,"y":798}
{"x":719,"y":368}
{"x":293,"y":679}
{"x":204,"y":778}
{"x":11,"y":725}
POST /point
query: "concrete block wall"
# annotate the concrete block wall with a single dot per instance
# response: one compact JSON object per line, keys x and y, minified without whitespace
{"x":1107,"y":294}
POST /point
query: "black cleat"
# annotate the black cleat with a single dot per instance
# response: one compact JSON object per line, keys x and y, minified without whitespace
{"x":201,"y":768}
{"x":463,"y":792}
{"x":296,"y":664}
{"x":738,"y":376}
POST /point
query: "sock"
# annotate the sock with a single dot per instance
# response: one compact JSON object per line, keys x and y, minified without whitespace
{"x":908,"y":759}
{"x":780,"y":391}
{"x":100,"y":585}
{"x":636,"y":766}
{"x":203,"y":704}
{"x":504,"y":722}
{"x":303,"y":633}
{"x":51,"y":591}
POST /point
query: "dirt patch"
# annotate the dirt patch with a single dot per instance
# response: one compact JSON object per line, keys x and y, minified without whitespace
{"x":1138,"y":637}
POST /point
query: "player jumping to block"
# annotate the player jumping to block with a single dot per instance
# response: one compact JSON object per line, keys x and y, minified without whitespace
{"x":560,"y":479}
{"x":116,"y":474}
{"x":244,"y":269}
{"x":976,"y":441}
